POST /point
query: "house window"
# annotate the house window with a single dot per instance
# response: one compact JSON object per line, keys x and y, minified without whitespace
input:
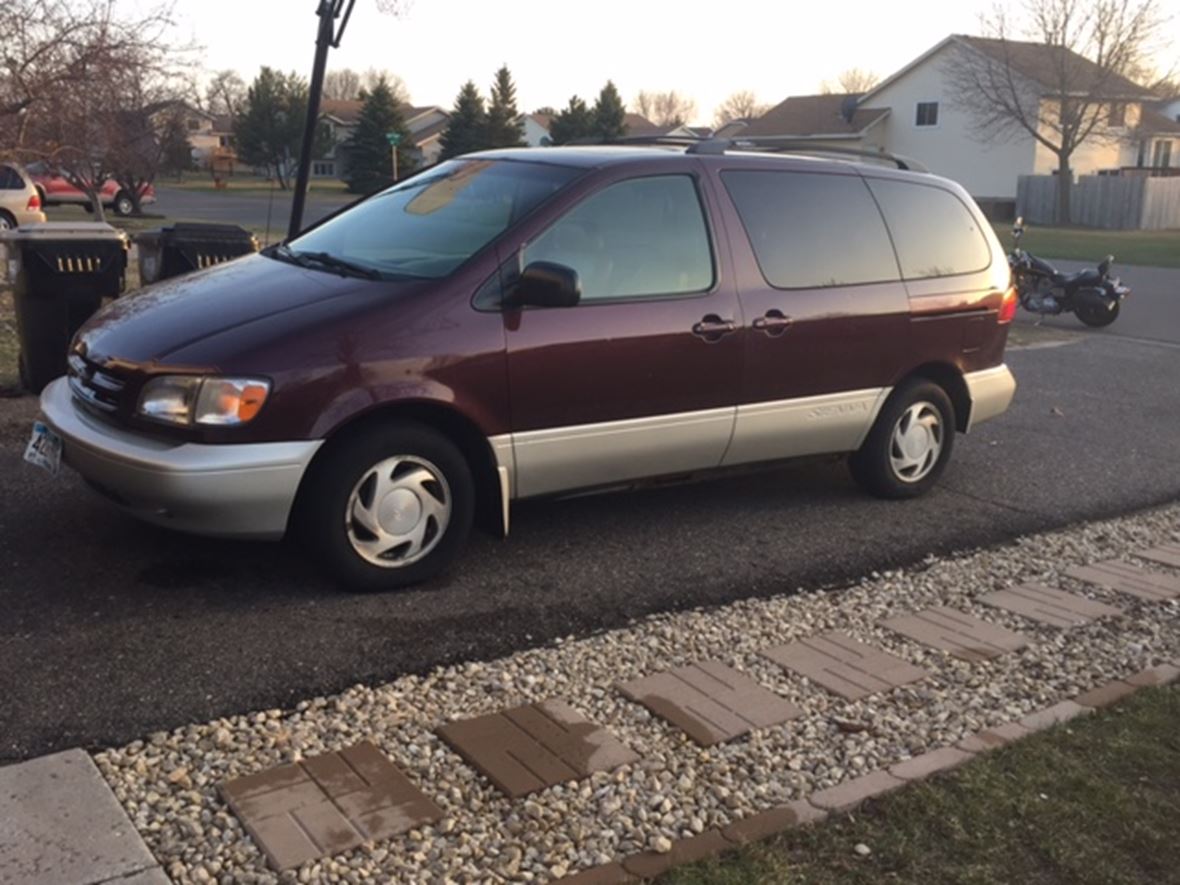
{"x":323,"y":169}
{"x":1116,"y":115}
{"x":193,"y":124}
{"x":927,"y":114}
{"x":1162,"y":158}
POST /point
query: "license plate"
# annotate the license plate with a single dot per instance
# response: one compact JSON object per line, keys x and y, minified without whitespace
{"x":44,"y":449}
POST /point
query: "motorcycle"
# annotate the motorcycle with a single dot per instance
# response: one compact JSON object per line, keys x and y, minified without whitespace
{"x":1093,"y":295}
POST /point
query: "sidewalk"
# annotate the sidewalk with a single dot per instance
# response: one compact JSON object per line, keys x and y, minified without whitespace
{"x":619,"y":755}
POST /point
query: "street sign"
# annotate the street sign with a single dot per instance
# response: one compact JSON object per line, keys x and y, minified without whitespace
{"x":393,"y":137}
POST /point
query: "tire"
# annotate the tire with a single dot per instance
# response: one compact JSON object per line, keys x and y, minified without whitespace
{"x":7,"y":220}
{"x":123,"y":205}
{"x":878,"y":465}
{"x":424,"y":474}
{"x":1096,"y":318}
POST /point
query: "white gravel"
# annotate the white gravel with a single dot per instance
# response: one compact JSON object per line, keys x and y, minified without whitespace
{"x":168,"y":782}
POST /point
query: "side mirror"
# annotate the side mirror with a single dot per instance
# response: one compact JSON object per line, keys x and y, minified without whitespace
{"x":546,"y":284}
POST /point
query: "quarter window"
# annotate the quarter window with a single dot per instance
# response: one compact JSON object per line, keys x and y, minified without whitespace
{"x":645,"y":237}
{"x":811,"y":230}
{"x":933,"y":231}
{"x":927,"y":114}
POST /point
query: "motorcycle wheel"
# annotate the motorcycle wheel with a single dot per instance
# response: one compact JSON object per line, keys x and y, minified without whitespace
{"x":1097,"y":317}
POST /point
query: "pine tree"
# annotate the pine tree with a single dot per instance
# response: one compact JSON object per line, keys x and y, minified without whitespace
{"x":505,"y":128}
{"x":575,"y":121}
{"x":610,"y":116}
{"x":466,"y":130}
{"x":370,"y":158}
{"x":269,"y":128}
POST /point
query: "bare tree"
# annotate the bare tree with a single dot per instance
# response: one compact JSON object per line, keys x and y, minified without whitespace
{"x":401,"y":93}
{"x":856,"y":81}
{"x":225,"y":93}
{"x":742,"y":105}
{"x":665,"y":108}
{"x":1065,"y":90}
{"x":342,"y":84}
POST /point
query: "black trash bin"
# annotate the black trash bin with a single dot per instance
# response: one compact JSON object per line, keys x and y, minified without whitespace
{"x":181,"y":248}
{"x":59,"y":273}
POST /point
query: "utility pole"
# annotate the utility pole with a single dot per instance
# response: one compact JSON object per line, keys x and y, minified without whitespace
{"x":327,"y":37}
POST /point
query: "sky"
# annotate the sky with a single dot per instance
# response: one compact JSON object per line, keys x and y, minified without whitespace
{"x":558,"y":48}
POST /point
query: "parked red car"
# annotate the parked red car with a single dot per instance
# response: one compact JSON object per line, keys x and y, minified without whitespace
{"x":56,"y":190}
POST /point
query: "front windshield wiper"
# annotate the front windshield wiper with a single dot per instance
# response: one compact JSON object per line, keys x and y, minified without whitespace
{"x":283,"y":252}
{"x":340,"y":264}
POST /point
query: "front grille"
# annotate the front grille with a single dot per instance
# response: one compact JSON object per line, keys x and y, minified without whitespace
{"x":95,"y":388}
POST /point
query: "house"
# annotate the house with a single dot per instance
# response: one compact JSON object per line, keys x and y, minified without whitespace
{"x":536,"y":128}
{"x":338,"y":119}
{"x":914,"y":113}
{"x":208,"y":134}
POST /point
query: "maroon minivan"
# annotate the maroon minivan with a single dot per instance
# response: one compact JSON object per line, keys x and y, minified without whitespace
{"x":530,"y":322}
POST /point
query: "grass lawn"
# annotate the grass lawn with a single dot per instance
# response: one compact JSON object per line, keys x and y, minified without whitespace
{"x":1158,"y":248}
{"x":246,"y":184}
{"x":1095,"y":802}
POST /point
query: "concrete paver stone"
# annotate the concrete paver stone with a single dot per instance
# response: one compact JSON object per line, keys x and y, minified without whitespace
{"x":844,"y":665}
{"x":1050,"y":716}
{"x":991,"y":738}
{"x":1117,"y":575}
{"x":1165,"y":554}
{"x":958,"y":633}
{"x":60,"y":824}
{"x":1161,"y":674}
{"x":942,"y":759}
{"x":1105,"y":695}
{"x":1049,"y":605}
{"x":774,"y":820}
{"x":535,"y":746}
{"x":850,"y":793}
{"x":711,"y":702}
{"x":650,"y":864}
{"x":327,"y":804}
{"x":607,"y":874}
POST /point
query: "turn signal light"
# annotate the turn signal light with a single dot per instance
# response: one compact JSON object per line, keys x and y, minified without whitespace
{"x":1008,"y":306}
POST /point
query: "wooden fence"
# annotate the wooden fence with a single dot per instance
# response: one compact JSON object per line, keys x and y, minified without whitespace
{"x":1117,"y":202}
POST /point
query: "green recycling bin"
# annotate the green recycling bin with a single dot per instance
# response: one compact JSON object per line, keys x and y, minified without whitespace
{"x":59,"y":273}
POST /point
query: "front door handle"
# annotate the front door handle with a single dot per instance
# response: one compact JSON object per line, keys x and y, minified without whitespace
{"x":712,"y":327}
{"x":774,"y":323}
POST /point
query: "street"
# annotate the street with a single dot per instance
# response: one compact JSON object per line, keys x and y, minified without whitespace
{"x":113,"y":629}
{"x":254,"y":210}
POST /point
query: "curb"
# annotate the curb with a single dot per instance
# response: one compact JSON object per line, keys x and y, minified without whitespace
{"x":847,"y":796}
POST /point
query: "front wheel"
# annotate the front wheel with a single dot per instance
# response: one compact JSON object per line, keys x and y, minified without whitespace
{"x":910,"y":443}
{"x":123,"y":204}
{"x":388,"y":506}
{"x":1096,"y":317}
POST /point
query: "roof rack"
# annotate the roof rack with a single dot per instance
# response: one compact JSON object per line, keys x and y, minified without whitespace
{"x":772,"y":144}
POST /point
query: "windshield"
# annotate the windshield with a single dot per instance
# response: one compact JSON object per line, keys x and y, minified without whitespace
{"x":429,"y":225}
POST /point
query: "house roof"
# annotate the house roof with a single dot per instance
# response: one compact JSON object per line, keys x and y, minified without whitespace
{"x":1152,"y":122}
{"x":815,"y":115}
{"x":542,"y":120}
{"x":348,"y":111}
{"x":637,"y":124}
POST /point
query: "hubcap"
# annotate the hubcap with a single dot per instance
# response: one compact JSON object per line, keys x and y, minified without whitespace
{"x":398,"y":511}
{"x":916,"y":442}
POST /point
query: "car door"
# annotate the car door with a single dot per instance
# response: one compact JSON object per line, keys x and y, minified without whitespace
{"x":641,"y":377}
{"x":827,"y":313}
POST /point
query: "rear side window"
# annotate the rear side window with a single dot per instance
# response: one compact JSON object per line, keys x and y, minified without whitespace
{"x":645,"y":237}
{"x":935,"y":234}
{"x":10,"y":179}
{"x":811,"y":230}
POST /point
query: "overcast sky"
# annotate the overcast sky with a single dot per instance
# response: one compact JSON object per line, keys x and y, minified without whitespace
{"x":556,"y":48}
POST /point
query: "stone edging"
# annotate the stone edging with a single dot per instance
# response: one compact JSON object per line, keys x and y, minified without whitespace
{"x":848,"y":795}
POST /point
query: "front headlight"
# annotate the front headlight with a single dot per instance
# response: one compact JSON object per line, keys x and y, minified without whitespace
{"x":193,"y":399}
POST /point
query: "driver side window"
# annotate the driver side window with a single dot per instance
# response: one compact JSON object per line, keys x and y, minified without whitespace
{"x":641,"y":238}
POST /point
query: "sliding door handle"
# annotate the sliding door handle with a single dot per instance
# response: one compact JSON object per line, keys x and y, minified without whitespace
{"x":774,"y":323}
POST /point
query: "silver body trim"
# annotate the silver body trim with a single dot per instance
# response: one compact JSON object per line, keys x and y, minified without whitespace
{"x":810,"y":425}
{"x":240,"y":491}
{"x":991,"y":392}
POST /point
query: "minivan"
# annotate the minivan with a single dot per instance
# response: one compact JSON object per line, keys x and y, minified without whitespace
{"x":532,"y":322}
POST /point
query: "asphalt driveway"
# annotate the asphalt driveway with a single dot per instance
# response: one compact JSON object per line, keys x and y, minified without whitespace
{"x":112,"y":629}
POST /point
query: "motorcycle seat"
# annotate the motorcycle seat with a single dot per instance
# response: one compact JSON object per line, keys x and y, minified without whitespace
{"x":1088,"y":277}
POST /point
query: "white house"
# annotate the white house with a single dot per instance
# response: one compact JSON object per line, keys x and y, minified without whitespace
{"x":914,"y":113}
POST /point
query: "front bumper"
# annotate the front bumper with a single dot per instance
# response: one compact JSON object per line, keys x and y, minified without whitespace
{"x":991,"y":392}
{"x":239,"y":491}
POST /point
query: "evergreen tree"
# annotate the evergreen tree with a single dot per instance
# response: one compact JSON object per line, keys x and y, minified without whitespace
{"x":505,"y":128}
{"x":269,"y":129}
{"x":370,"y":158}
{"x":610,"y":116}
{"x":575,"y":121}
{"x":467,"y":126}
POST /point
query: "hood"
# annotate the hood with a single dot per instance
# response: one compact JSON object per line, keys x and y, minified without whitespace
{"x":172,"y":315}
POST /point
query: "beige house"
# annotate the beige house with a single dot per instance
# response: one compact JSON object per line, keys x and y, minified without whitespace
{"x":339,"y":117}
{"x":914,"y":113}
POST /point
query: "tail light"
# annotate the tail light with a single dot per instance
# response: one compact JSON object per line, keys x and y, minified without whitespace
{"x":34,"y":201}
{"x":1008,"y":306}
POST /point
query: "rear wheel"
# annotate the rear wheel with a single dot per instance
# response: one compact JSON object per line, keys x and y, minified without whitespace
{"x":7,"y":220}
{"x":123,"y":204}
{"x":1097,"y":317}
{"x":388,"y":506}
{"x":910,"y":443}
